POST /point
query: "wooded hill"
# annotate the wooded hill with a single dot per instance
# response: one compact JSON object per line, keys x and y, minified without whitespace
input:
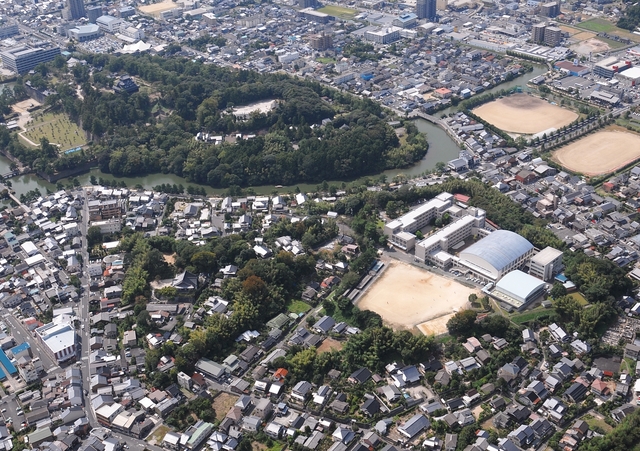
{"x":153,"y":130}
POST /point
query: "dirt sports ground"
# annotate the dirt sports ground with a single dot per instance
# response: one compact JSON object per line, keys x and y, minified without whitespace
{"x":407,"y":297}
{"x":522,"y":113}
{"x":601,"y":152}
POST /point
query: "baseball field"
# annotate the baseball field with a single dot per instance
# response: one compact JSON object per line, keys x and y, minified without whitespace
{"x":406,"y":297}
{"x":600,"y":153}
{"x":522,"y":113}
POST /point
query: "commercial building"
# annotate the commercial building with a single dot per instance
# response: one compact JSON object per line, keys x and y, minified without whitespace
{"x":321,"y":41}
{"x":546,"y":263}
{"x":108,"y":226}
{"x":84,"y":33}
{"x":316,"y":16}
{"x":630,"y":77}
{"x":408,"y":20}
{"x":426,"y":9}
{"x":572,"y":68}
{"x":495,"y":255}
{"x":400,"y":231}
{"x":610,"y":66}
{"x":109,"y":24}
{"x":8,"y":30}
{"x":23,"y":58}
{"x":518,"y":289}
{"x":383,"y":35}
{"x":58,"y":339}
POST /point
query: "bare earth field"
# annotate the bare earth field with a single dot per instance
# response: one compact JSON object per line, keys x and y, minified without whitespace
{"x":601,"y":152}
{"x":406,"y":296}
{"x":329,"y":344}
{"x":156,"y":8}
{"x":591,"y":45}
{"x":222,"y":403}
{"x":522,"y":113}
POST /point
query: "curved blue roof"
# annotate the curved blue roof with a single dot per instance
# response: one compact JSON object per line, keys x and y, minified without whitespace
{"x":500,"y":248}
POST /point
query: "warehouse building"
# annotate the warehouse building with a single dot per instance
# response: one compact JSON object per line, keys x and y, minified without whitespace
{"x":495,"y":255}
{"x":518,"y":289}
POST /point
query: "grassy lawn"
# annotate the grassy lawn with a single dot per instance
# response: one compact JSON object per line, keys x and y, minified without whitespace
{"x":593,"y":421}
{"x":339,"y":11}
{"x":597,"y":25}
{"x":532,"y":315}
{"x":325,"y":60}
{"x":159,"y":433}
{"x":57,"y":128}
{"x":580,"y":298}
{"x":611,"y":43}
{"x":298,"y":307}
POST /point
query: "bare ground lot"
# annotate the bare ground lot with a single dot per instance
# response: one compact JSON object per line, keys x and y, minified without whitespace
{"x":589,"y":45}
{"x":222,"y":403}
{"x":329,"y":344}
{"x":601,"y":152}
{"x":522,"y":113}
{"x":406,"y":296}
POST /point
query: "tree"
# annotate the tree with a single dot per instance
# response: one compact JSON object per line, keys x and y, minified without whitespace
{"x":462,"y":323}
{"x":558,"y":290}
{"x":94,"y":236}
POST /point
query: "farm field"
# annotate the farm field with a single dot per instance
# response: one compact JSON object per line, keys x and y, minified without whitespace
{"x":57,"y":128}
{"x":597,"y":25}
{"x":604,"y":26}
{"x":406,"y":297}
{"x":600,"y":153}
{"x":522,"y":113}
{"x":329,"y":344}
{"x":339,"y":12}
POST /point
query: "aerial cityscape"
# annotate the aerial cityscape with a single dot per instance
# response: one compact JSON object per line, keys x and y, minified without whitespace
{"x":319,"y":226}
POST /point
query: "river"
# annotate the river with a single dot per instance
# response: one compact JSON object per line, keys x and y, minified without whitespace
{"x":441,"y":148}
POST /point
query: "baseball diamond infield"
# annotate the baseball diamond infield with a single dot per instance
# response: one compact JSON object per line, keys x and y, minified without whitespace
{"x":600,"y":153}
{"x":406,"y":296}
{"x":522,"y":113}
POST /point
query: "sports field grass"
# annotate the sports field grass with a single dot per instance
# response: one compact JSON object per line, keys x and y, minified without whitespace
{"x":522,"y":318}
{"x":57,"y":128}
{"x":597,"y":25}
{"x":339,"y":11}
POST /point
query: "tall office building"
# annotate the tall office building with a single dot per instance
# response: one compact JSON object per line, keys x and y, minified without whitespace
{"x":76,"y":9}
{"x":426,"y":9}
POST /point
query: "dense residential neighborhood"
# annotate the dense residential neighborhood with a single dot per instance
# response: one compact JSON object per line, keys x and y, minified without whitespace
{"x":223,"y":228}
